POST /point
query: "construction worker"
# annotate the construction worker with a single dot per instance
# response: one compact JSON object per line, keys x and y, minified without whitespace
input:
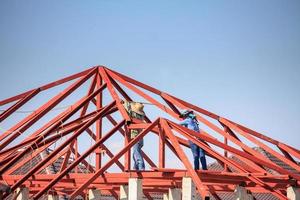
{"x":190,"y":122}
{"x":136,"y":112}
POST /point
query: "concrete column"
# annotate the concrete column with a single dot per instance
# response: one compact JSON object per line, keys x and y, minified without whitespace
{"x":188,"y":189}
{"x":22,"y":193}
{"x":94,"y":194}
{"x":165,"y":197}
{"x":135,"y":189}
{"x":242,"y":194}
{"x":53,"y":197}
{"x":174,"y":194}
{"x":293,"y":193}
{"x":124,"y":192}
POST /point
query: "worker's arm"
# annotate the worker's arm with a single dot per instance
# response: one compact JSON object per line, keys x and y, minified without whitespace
{"x":184,"y":123}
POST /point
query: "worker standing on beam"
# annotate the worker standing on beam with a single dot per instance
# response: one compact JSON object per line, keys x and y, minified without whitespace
{"x":137,"y":114}
{"x":190,"y":121}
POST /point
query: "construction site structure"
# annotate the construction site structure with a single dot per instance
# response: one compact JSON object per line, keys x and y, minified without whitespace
{"x":83,"y":150}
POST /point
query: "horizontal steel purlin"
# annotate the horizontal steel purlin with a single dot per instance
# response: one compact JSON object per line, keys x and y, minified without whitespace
{"x":150,"y":177}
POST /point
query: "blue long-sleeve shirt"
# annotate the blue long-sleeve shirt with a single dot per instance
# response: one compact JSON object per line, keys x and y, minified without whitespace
{"x":190,"y":124}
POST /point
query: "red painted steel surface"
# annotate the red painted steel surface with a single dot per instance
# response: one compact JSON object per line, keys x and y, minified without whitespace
{"x":66,"y":169}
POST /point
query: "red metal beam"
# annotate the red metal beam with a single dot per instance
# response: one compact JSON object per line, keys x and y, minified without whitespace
{"x":98,"y":122}
{"x":114,"y":94}
{"x":182,"y":104}
{"x":260,"y":144}
{"x":116,"y":157}
{"x":47,"y":86}
{"x":204,"y":136}
{"x":17,"y":105}
{"x":127,"y":154}
{"x":41,"y":137}
{"x":144,"y":95}
{"x":32,"y":118}
{"x":78,"y":160}
{"x":151,"y":178}
{"x":249,"y":169}
{"x":148,"y":160}
{"x":161,"y":154}
{"x":68,"y":141}
{"x":227,"y":161}
{"x":201,"y":188}
{"x":107,"y":151}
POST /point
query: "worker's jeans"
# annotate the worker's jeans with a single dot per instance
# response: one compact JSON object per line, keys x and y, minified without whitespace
{"x":137,"y":156}
{"x":198,"y":153}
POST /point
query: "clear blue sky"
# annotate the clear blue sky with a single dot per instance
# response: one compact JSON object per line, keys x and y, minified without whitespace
{"x":239,"y":59}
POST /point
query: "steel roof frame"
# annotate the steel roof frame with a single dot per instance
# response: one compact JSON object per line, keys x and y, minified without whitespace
{"x":68,"y":180}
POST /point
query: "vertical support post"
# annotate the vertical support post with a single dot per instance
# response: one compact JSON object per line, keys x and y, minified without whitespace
{"x":242,"y":194}
{"x":22,"y":193}
{"x":293,"y":193}
{"x":188,"y":189}
{"x":127,"y":161}
{"x":135,"y":189}
{"x":76,"y":153}
{"x":161,"y":156}
{"x":225,"y":151}
{"x":94,"y":194}
{"x":123,"y":192}
{"x":174,"y":194}
{"x":98,"y":122}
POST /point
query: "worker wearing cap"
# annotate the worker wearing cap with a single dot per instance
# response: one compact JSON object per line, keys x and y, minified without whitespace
{"x":136,"y":112}
{"x":190,"y":122}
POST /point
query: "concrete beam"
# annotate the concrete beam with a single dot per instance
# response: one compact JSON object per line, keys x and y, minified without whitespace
{"x":174,"y":194}
{"x":165,"y":197}
{"x":135,"y":189}
{"x":22,"y":193}
{"x":124,"y":192}
{"x":242,"y":194}
{"x":94,"y":194}
{"x":188,"y":189}
{"x":293,"y":193}
{"x":53,"y":197}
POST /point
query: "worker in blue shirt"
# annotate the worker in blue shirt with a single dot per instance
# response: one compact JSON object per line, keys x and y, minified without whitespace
{"x":190,"y":122}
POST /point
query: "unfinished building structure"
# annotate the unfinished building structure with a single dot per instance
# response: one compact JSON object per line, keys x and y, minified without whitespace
{"x":83,"y":150}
